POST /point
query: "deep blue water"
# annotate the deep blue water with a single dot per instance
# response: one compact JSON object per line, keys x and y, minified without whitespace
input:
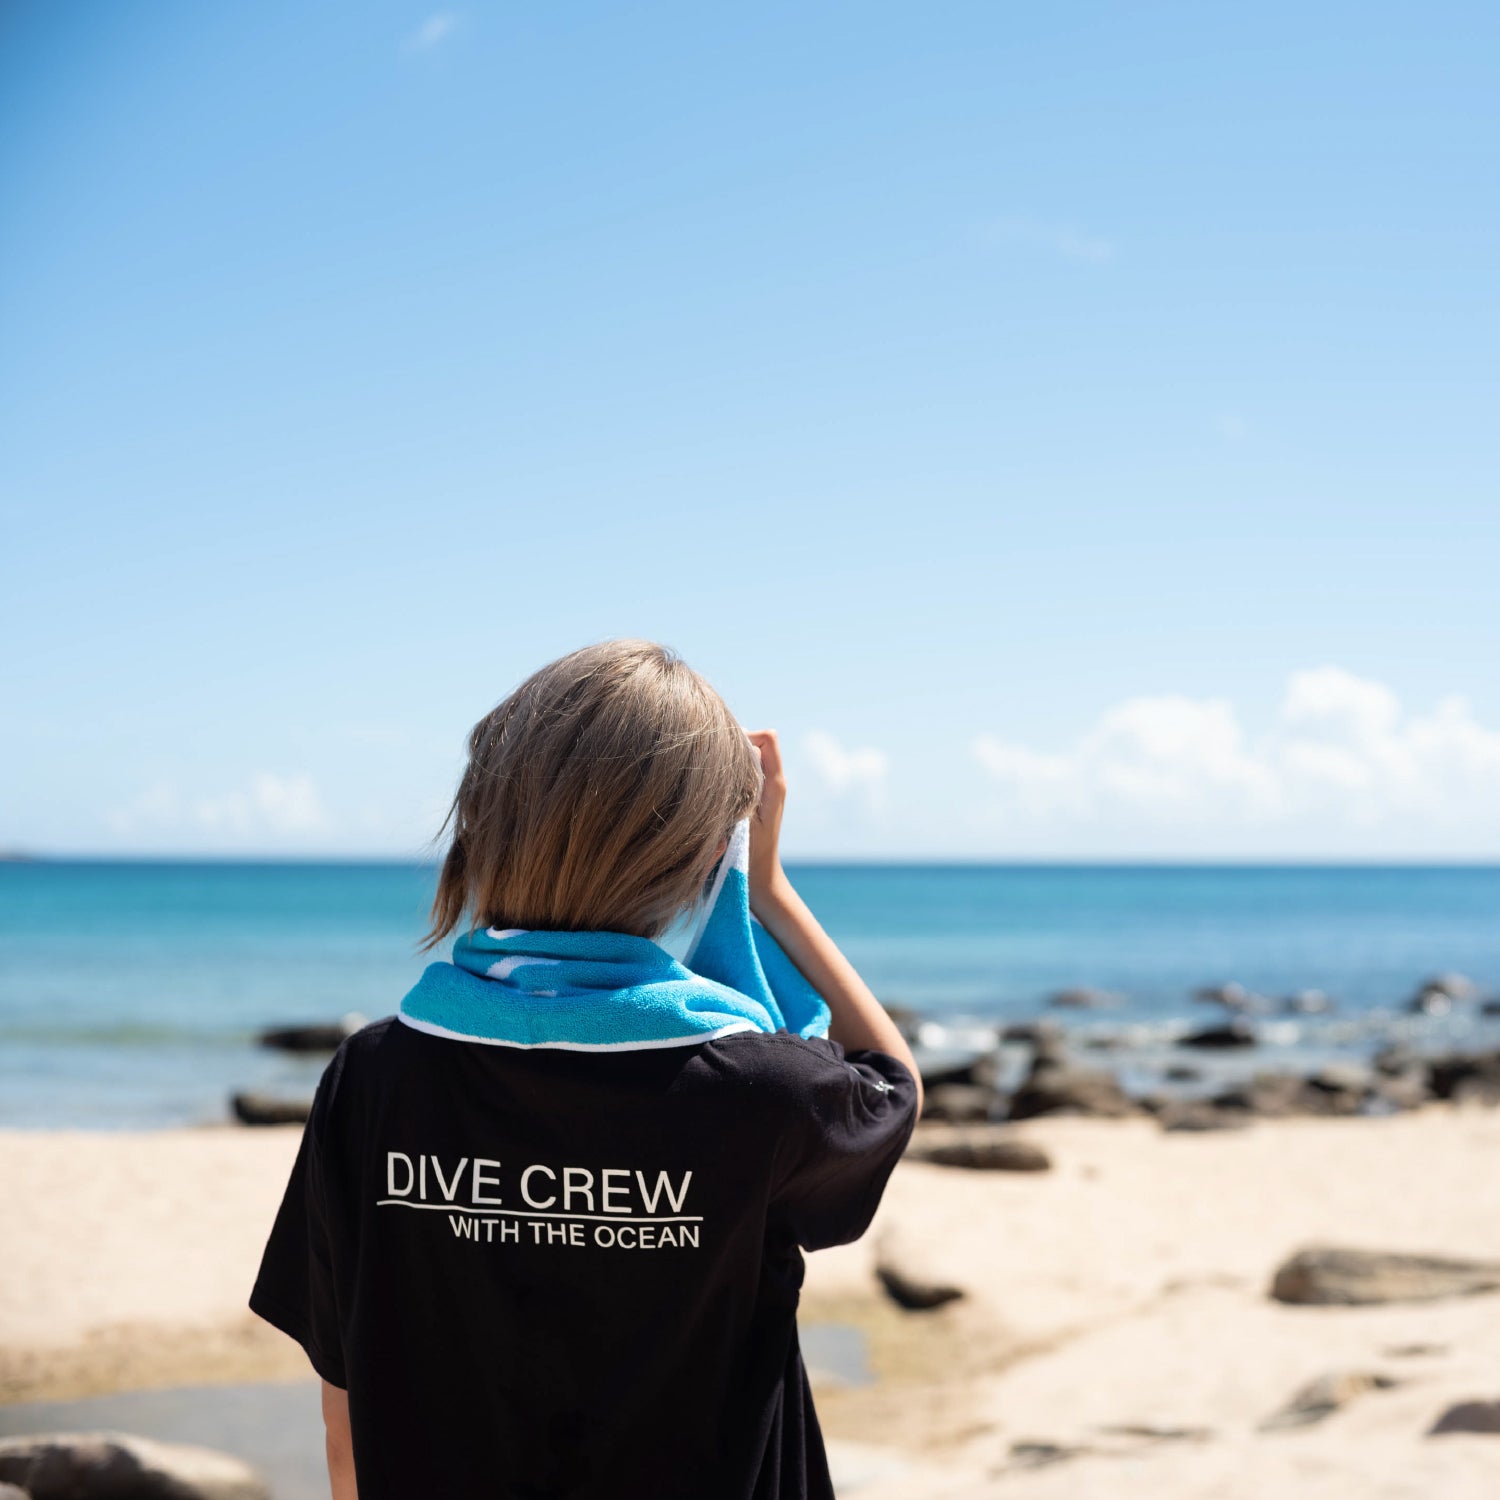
{"x":130,"y":992}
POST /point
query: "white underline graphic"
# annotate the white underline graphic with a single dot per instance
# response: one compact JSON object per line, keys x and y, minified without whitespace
{"x":536,"y":1213}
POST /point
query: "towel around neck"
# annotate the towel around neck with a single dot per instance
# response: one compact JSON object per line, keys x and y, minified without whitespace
{"x":611,"y":991}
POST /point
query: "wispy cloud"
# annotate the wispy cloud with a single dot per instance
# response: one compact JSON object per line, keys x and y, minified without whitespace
{"x":266,"y":805}
{"x":1059,"y":239}
{"x":434,"y":31}
{"x":859,"y":774}
{"x":1341,"y":757}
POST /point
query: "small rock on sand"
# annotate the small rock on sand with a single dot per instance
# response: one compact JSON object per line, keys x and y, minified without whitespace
{"x":117,"y":1466}
{"x":263,"y":1109}
{"x":1324,"y":1396}
{"x":1325,"y":1276}
{"x":979,"y":1150}
{"x":908,"y":1279}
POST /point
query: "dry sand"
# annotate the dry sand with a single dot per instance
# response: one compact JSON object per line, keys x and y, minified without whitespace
{"x":1117,"y":1322}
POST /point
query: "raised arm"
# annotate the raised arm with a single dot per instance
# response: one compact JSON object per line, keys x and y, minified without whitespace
{"x":859,"y":1020}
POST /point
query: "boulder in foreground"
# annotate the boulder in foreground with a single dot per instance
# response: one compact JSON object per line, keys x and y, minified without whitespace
{"x":1468,"y":1416}
{"x":116,"y":1466}
{"x":1327,"y":1276}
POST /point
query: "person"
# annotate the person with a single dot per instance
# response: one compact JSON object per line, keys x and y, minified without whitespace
{"x":543,"y":1236}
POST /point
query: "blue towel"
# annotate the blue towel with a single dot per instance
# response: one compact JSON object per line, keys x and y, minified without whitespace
{"x":717,"y":971}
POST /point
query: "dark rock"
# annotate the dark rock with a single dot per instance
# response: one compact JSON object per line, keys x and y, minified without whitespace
{"x":1151,"y":1433}
{"x":1270,"y":1094}
{"x":1413,"y":1351}
{"x":1468,"y":1416}
{"x":1337,"y":1089}
{"x":116,"y":1466}
{"x":976,"y":1070}
{"x":1182,"y":1073}
{"x":262,"y":1109}
{"x":1339,"y":1078}
{"x":1326,"y":1276}
{"x":1103,"y":1041}
{"x":1033,"y":1033}
{"x":959,"y":1102}
{"x":1055,"y":1087}
{"x":322,"y":1038}
{"x":1031,"y":1453}
{"x":1461,"y":1076}
{"x":1232,"y":995}
{"x":1430,"y":1003}
{"x":1235,"y":1034}
{"x":1396,"y":1058}
{"x":1490,"y":1007}
{"x":1084,"y":998}
{"x":1399,"y":1091}
{"x":909,"y":1284}
{"x":1454,"y":986}
{"x":1326,"y":1395}
{"x":1199,"y":1115}
{"x":1484,"y":1090}
{"x":1436,"y":996}
{"x":993,"y":1150}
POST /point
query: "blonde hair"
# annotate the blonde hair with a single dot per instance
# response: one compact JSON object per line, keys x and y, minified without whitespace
{"x":594,"y":797}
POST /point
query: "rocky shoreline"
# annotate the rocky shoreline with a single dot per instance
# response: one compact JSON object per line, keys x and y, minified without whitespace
{"x":1223,"y":1074}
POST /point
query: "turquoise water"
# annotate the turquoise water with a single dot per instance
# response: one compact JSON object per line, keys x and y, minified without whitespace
{"x":130,"y":992}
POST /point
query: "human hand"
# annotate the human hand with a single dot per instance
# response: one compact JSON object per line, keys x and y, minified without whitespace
{"x":765,"y":823}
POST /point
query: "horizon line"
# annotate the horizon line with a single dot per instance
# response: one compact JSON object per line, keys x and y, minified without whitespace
{"x":838,"y":861}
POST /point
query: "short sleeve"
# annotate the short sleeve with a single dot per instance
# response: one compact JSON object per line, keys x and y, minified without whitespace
{"x":296,"y":1289}
{"x":854,"y":1121}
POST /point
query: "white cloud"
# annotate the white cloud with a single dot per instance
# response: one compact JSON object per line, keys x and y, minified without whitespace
{"x":436,"y":29}
{"x":1341,"y":768}
{"x":266,"y":805}
{"x":1071,"y":244}
{"x":857,"y":773}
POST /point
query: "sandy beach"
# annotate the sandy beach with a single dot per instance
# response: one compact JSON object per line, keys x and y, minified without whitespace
{"x":1116,"y":1337}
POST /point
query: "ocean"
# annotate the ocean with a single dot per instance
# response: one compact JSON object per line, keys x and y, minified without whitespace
{"x":131,"y":992}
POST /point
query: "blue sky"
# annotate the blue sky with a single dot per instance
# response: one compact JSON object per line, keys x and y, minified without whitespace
{"x":1074,"y":427}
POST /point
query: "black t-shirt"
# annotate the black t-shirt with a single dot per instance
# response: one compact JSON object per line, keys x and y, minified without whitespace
{"x":566,"y":1274}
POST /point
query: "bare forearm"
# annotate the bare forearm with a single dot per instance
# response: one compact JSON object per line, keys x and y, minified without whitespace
{"x":339,"y":1443}
{"x":859,"y":1020}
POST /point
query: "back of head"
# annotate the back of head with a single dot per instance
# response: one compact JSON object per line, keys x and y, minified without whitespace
{"x":595,"y":797}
